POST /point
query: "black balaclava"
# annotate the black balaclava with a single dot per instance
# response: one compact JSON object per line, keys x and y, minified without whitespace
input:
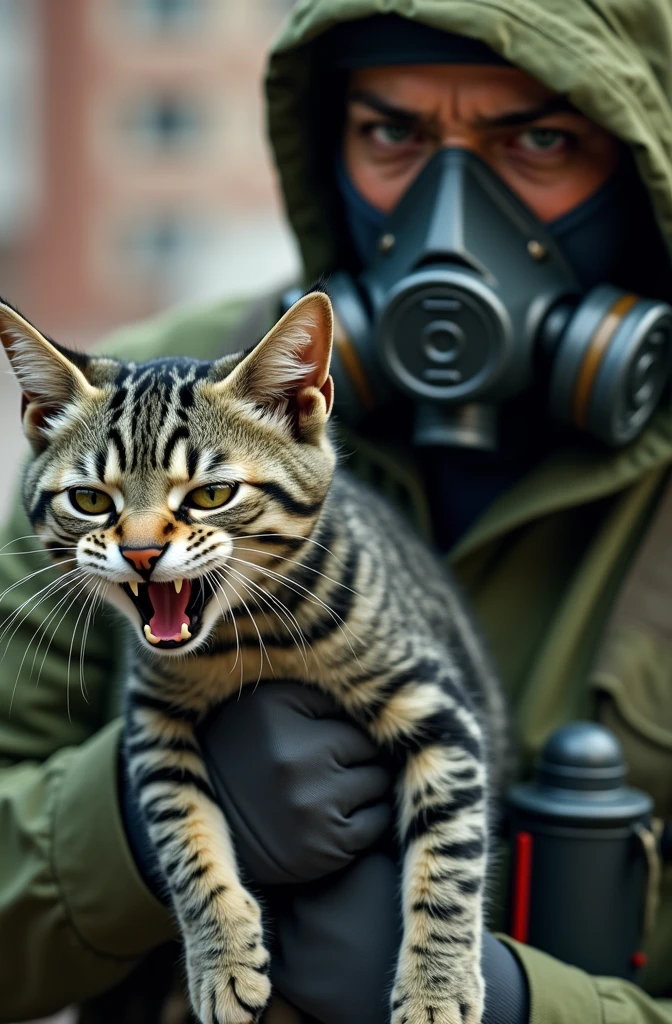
{"x":609,"y":237}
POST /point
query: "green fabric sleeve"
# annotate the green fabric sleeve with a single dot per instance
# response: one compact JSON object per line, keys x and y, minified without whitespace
{"x":74,"y":913}
{"x":560,"y":994}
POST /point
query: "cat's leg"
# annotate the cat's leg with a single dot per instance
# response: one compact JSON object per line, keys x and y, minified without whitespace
{"x":227,"y":965}
{"x":442,"y":826}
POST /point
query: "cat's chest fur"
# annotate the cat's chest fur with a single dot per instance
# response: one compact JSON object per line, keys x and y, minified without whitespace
{"x":206,"y":680}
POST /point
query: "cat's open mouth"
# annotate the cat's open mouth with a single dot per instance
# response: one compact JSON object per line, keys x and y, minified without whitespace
{"x":170,"y":612}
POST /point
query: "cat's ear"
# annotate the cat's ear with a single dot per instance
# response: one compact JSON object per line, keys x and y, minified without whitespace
{"x":287,"y":373}
{"x":50,"y":377}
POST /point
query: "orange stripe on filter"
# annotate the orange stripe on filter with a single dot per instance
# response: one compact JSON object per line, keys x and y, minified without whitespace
{"x":353,"y":367}
{"x":595,"y":354}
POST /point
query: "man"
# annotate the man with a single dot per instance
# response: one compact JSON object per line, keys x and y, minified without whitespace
{"x":555,"y":101}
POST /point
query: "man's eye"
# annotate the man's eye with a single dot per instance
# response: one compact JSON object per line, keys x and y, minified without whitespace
{"x":390,"y":134}
{"x":210,"y":496}
{"x":542,"y":140}
{"x":90,"y":501}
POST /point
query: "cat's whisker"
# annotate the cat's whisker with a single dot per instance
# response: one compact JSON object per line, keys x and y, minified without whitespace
{"x":17,"y":540}
{"x":16,"y":681}
{"x":263,"y":653}
{"x":254,"y":600}
{"x":258,"y":593}
{"x":7,"y":622}
{"x":88,"y":599}
{"x":42,"y":629}
{"x":295,"y":561}
{"x":69,"y":593}
{"x":285,"y":610}
{"x":67,"y":683}
{"x":38,"y":551}
{"x":98,"y":597}
{"x":254,"y":597}
{"x":267,"y":598}
{"x":32,"y":575}
{"x":97,"y":601}
{"x":216,"y":587}
{"x":279,"y":537}
{"x":61,"y":584}
{"x":240,"y":687}
{"x":41,"y":632}
{"x":101,"y":586}
{"x":42,"y":595}
{"x":312,"y":597}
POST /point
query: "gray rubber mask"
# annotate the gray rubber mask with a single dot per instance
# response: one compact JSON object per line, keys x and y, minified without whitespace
{"x":592,"y":236}
{"x":467,"y":302}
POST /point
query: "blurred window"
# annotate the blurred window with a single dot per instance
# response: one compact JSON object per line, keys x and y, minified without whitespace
{"x":165,"y":124}
{"x":158,"y":243}
{"x":9,"y":12}
{"x":165,"y":15}
{"x":20,"y":179}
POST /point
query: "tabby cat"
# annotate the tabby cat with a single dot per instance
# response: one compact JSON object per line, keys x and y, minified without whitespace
{"x":205,"y":496}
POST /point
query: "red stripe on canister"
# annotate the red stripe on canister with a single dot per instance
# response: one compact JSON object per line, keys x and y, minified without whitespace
{"x":522,"y":880}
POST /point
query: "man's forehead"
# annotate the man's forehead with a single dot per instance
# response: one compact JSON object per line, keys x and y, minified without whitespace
{"x":473,"y":89}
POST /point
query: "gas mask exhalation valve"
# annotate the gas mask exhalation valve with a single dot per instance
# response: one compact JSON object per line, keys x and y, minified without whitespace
{"x":470,"y":303}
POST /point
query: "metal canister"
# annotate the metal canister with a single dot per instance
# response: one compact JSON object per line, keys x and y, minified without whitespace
{"x":584,"y":860}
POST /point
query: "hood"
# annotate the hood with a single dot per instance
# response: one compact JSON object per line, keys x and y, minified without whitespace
{"x":611,"y":58}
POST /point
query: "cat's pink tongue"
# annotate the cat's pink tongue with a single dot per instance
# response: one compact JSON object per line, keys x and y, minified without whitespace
{"x":169,"y":609}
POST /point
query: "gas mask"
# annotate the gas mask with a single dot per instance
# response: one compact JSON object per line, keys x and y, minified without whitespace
{"x":469,"y":303}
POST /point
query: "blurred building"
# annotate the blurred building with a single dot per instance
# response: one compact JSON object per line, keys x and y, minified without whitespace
{"x":134,"y":170}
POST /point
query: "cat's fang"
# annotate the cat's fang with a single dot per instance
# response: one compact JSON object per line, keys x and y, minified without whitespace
{"x":134,"y":587}
{"x":184,"y":633}
{"x":150,"y":636}
{"x":178,"y":585}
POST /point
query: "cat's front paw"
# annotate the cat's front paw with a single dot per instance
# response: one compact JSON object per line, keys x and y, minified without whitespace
{"x":455,"y":1000}
{"x":227,"y":969}
{"x":231,"y":993}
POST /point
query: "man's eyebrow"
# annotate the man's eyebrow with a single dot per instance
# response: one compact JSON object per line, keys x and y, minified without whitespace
{"x":554,"y":105}
{"x":370,"y":99}
{"x":512,"y":119}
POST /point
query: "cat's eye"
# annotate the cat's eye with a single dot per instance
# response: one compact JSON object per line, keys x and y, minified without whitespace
{"x":90,"y":501}
{"x":210,"y":496}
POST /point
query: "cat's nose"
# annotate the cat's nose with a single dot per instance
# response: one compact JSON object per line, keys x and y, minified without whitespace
{"x":143,"y":560}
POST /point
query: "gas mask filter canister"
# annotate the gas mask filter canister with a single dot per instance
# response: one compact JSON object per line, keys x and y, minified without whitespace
{"x":469,"y":303}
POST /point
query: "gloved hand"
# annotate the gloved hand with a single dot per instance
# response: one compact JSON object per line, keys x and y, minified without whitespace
{"x":301,"y":786}
{"x":337,"y":942}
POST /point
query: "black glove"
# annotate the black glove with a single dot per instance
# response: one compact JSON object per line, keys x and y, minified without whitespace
{"x":336,"y":944}
{"x":301,"y":786}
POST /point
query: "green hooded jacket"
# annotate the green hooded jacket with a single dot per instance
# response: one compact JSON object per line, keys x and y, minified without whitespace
{"x":543,"y":567}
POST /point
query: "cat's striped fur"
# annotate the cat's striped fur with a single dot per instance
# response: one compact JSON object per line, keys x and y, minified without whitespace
{"x":306,"y":575}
